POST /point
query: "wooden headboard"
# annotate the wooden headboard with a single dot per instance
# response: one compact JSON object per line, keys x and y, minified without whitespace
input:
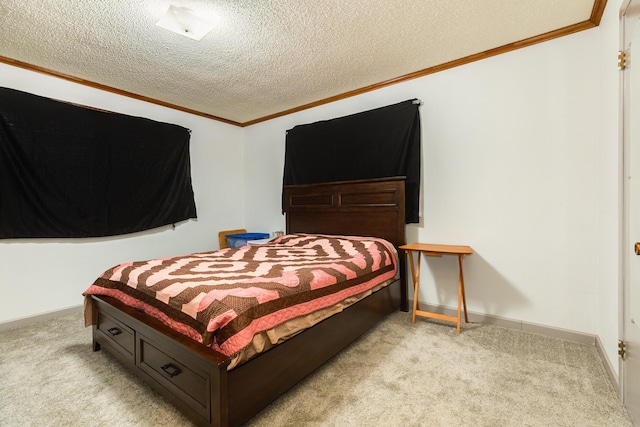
{"x":373,"y":207}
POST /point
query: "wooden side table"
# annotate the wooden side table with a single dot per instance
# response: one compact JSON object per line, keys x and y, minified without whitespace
{"x":437,"y":250}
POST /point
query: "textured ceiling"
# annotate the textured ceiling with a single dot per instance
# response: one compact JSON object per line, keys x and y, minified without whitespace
{"x":266,"y":57}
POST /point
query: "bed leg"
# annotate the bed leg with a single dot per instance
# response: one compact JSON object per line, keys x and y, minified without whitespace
{"x":94,"y":343}
{"x":404,"y":296}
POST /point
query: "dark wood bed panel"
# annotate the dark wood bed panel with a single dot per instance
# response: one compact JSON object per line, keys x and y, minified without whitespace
{"x":359,"y":208}
{"x":195,"y":378}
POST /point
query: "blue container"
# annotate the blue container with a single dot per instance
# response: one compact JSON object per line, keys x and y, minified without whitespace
{"x":237,"y":240}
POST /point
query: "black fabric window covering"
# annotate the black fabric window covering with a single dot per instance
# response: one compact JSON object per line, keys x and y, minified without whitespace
{"x":71,"y":171}
{"x":379,"y":143}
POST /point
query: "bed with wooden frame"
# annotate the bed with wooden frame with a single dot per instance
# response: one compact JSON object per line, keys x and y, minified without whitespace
{"x":195,"y":378}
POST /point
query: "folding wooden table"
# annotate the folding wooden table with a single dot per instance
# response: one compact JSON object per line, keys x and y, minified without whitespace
{"x":429,"y":249}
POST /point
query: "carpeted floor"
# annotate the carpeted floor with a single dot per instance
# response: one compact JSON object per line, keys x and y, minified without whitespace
{"x":398,"y":375}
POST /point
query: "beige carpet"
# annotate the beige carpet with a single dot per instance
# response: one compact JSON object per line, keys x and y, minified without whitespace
{"x":398,"y":375}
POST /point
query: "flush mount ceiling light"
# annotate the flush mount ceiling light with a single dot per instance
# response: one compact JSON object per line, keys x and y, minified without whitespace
{"x":184,"y":21}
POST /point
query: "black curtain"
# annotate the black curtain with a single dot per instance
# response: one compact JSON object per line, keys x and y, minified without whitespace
{"x":379,"y":143}
{"x":72,"y":171}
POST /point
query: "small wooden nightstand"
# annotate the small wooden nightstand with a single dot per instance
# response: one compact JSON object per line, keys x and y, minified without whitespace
{"x":437,"y":250}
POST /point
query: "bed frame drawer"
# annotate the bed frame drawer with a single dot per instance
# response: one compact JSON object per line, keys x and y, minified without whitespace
{"x":117,"y":333}
{"x":177,"y":373}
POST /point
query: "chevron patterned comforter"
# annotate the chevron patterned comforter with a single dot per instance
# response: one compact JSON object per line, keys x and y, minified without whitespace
{"x":223,"y":298}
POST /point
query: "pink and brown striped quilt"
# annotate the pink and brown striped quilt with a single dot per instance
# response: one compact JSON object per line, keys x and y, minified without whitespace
{"x":223,"y":298}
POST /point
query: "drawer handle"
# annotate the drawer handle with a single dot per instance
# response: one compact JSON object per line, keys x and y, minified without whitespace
{"x":114,"y":331}
{"x":171,"y":370}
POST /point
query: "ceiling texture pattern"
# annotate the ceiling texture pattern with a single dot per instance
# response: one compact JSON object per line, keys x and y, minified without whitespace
{"x":266,"y":58}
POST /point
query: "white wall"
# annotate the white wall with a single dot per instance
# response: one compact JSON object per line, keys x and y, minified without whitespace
{"x":43,"y":275}
{"x":510,"y":167}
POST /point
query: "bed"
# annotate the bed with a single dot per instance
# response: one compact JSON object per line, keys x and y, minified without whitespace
{"x":198,"y":379}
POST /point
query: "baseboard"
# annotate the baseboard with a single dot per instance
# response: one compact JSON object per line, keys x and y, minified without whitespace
{"x":25,"y":321}
{"x":535,"y":328}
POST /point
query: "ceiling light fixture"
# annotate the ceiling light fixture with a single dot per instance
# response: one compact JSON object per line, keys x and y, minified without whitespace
{"x":184,"y":21}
